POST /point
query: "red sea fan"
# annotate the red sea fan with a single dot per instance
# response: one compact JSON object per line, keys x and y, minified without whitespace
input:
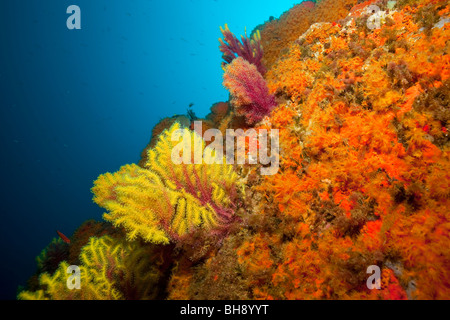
{"x":249,"y":49}
{"x":250,"y":95}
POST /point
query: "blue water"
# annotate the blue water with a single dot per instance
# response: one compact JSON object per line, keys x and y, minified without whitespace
{"x":78,"y":103}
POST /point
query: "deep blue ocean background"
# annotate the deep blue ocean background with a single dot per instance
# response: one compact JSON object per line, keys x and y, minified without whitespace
{"x":78,"y":103}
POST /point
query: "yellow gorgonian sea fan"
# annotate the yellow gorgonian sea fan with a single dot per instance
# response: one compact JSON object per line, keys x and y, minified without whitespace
{"x":184,"y":186}
{"x":108,"y":268}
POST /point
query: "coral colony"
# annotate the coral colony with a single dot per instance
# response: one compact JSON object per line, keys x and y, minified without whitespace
{"x":358,"y":172}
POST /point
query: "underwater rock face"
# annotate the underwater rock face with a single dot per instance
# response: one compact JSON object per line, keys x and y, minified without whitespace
{"x":364,"y":180}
